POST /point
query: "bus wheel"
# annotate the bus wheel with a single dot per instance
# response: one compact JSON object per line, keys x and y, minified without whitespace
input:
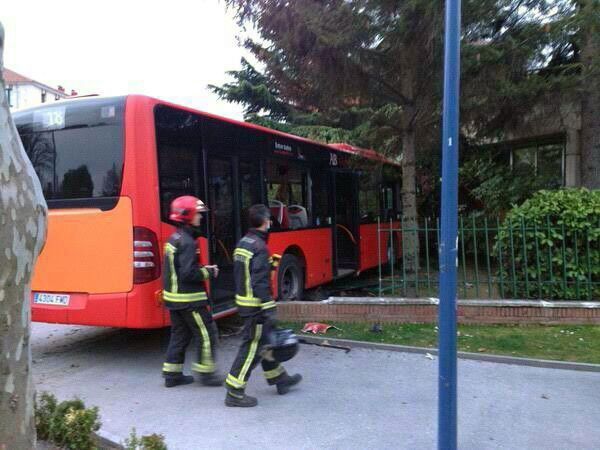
{"x":290,"y":279}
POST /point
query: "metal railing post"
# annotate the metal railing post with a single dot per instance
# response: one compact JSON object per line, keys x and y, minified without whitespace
{"x":391,"y":257}
{"x":379,"y":251}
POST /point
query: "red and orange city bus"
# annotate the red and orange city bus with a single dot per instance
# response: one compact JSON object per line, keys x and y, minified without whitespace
{"x":109,"y":168}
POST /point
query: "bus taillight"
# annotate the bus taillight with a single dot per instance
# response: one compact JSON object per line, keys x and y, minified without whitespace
{"x":146,"y":255}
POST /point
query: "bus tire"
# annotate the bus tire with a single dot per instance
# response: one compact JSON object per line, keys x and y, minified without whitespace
{"x":290,"y":279}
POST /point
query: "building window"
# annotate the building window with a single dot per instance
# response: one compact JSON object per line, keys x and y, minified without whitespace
{"x":8,"y":92}
{"x":546,"y":162}
{"x":551,"y":163}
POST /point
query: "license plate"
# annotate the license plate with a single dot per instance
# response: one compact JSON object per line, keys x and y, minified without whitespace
{"x":51,"y":299}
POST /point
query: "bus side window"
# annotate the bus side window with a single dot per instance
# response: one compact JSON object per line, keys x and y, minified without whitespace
{"x":368,"y":199}
{"x":178,"y":147}
{"x":286,"y":192}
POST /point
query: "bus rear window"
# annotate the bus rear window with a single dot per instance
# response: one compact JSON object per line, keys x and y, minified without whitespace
{"x":76,"y":149}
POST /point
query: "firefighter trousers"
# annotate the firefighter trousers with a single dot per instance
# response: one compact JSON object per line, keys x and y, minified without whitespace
{"x":185,"y":324}
{"x":254,"y":338}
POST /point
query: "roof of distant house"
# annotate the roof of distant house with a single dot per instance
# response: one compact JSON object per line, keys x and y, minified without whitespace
{"x":12,"y":77}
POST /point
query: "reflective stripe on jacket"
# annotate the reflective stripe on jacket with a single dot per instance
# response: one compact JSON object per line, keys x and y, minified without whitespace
{"x":183,"y":277}
{"x":252,"y":272}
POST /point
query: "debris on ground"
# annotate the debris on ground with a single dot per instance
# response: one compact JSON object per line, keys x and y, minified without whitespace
{"x":376,"y":328}
{"x":316,"y":327}
{"x":429,"y":356}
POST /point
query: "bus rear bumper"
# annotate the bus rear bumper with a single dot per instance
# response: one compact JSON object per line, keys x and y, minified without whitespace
{"x":140,"y":308}
{"x":84,"y":309}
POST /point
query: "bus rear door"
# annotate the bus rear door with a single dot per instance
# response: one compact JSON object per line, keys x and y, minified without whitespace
{"x":233,"y":186}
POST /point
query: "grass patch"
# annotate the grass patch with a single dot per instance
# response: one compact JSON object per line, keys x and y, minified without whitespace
{"x":577,"y":343}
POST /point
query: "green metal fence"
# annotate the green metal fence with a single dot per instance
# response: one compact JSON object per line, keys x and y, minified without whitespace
{"x":496,"y":259}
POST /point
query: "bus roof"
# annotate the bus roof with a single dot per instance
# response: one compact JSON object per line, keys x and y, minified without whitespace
{"x":342,"y":147}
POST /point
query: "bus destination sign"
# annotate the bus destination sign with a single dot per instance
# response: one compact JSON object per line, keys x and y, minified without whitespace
{"x":283,"y":149}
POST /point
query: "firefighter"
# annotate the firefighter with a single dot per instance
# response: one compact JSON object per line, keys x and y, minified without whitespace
{"x":252,"y":267}
{"x":185,"y":297}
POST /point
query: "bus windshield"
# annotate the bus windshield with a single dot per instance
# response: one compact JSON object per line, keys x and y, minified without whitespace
{"x":76,"y":149}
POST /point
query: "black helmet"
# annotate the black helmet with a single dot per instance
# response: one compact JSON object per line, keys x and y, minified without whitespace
{"x":283,"y":343}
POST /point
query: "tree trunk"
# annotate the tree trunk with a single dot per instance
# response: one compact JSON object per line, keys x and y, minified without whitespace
{"x":22,"y":233}
{"x":410,"y":239}
{"x":590,"y":112}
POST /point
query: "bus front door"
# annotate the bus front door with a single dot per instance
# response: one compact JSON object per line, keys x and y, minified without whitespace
{"x":345,"y":230}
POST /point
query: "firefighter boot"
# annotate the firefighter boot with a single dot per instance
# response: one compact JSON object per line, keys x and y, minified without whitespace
{"x":178,"y":380}
{"x":237,"y":397}
{"x":286,"y":382}
{"x":211,"y":379}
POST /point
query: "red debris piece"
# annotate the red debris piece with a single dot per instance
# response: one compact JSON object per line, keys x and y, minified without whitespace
{"x":316,"y":327}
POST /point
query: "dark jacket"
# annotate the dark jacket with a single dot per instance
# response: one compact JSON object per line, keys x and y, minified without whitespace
{"x":183,"y":277}
{"x":252,"y":272}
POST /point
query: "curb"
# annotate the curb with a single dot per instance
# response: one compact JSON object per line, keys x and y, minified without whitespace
{"x":107,"y":441}
{"x":543,"y":363}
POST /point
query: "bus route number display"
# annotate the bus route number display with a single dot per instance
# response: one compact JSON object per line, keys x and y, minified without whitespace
{"x":333,"y":160}
{"x":50,"y":119}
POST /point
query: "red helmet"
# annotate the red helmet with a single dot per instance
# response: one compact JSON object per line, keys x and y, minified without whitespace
{"x":184,"y":208}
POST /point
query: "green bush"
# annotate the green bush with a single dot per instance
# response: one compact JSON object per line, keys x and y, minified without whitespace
{"x":44,"y":409}
{"x":148,"y":442}
{"x":80,"y":425}
{"x":554,"y":237}
{"x":68,"y":424}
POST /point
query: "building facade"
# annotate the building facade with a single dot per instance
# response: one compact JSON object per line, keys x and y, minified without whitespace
{"x":23,"y":92}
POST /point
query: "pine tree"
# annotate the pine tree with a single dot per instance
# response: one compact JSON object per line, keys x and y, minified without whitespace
{"x":372,"y":68}
{"x":251,"y":89}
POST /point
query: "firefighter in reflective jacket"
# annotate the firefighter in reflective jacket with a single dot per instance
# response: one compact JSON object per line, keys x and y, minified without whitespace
{"x":185,"y":298}
{"x":252,"y":269}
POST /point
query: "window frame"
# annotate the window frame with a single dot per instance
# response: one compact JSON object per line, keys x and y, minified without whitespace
{"x":538,"y":148}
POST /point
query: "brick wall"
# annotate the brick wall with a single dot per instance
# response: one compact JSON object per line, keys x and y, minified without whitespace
{"x":425,"y":310}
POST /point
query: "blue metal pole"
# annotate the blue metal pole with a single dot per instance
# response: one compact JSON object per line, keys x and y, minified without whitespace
{"x":448,"y":247}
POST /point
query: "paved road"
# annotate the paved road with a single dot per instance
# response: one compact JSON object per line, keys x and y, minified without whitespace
{"x":367,"y":399}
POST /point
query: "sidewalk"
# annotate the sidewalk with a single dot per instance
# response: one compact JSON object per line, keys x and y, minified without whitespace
{"x":363,"y":399}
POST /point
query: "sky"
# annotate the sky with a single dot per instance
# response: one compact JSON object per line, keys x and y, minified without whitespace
{"x":167,"y":49}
